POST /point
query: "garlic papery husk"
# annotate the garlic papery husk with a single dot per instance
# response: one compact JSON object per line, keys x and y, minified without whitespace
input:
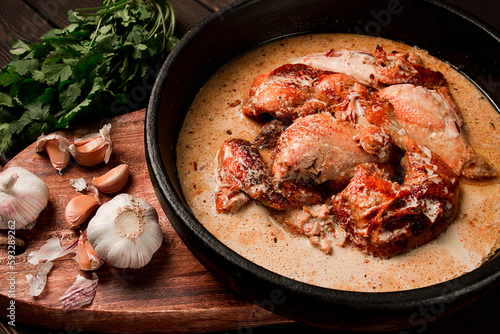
{"x":93,"y":149}
{"x":22,"y":197}
{"x":86,"y":255}
{"x":82,"y":292}
{"x":57,"y":147}
{"x":125,"y":232}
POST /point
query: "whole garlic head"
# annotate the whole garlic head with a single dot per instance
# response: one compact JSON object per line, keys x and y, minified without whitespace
{"x":22,"y":197}
{"x":125,"y":232}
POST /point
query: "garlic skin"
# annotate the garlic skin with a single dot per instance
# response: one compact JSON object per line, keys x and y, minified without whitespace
{"x":94,"y":148}
{"x":86,"y":255}
{"x":112,"y":181}
{"x":57,"y":148}
{"x":79,"y":208}
{"x":125,"y":232}
{"x":22,"y":197}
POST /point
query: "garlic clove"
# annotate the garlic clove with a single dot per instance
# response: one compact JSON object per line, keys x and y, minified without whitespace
{"x":57,"y":147}
{"x":93,"y":149}
{"x":125,"y":232}
{"x":79,"y":208}
{"x":23,"y":196}
{"x":86,"y":255}
{"x":112,"y":181}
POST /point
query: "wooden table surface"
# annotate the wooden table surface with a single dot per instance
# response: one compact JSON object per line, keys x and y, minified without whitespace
{"x":29,"y":19}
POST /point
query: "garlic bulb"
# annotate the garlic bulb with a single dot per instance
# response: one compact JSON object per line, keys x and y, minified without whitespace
{"x":125,"y":232}
{"x":22,"y":197}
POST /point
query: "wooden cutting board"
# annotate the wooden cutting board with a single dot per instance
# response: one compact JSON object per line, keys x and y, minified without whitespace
{"x":173,"y":293}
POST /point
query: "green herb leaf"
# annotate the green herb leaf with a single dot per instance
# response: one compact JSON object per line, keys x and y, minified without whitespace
{"x":5,"y":100}
{"x":18,"y":47}
{"x":83,"y":71}
{"x":56,"y":72}
{"x":25,"y":66}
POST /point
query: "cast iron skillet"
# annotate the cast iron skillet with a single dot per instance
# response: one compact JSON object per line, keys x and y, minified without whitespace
{"x":445,"y":32}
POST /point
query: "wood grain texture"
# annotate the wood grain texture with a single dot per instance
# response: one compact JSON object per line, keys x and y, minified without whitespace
{"x":188,"y":14}
{"x":173,"y":293}
{"x":18,"y":20}
{"x":55,"y":12}
{"x":214,"y":5}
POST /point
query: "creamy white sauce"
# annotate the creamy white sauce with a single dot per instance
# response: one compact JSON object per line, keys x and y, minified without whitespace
{"x":216,"y":116}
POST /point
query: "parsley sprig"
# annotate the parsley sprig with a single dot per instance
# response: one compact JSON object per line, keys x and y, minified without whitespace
{"x":85,"y":71}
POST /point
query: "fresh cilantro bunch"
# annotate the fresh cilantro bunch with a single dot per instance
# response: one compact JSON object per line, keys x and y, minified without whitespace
{"x":85,"y":71}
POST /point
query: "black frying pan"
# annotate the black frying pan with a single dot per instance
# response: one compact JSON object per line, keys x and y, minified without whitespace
{"x":444,"y":32}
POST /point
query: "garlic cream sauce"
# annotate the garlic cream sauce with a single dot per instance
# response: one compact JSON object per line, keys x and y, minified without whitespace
{"x":216,"y":116}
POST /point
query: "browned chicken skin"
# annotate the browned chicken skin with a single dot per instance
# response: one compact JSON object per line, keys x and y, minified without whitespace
{"x":338,"y":115}
{"x":431,"y":118}
{"x":242,"y":173}
{"x":401,"y":67}
{"x":284,"y":93}
{"x":384,"y":218}
{"x":377,"y":69}
{"x":295,"y":90}
{"x":319,"y":148}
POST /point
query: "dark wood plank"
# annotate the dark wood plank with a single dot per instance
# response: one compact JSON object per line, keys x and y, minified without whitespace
{"x":173,"y":293}
{"x":18,"y":20}
{"x":56,"y":11}
{"x":215,"y":5}
{"x":188,"y":13}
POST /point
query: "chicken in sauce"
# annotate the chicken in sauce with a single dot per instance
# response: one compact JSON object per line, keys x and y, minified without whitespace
{"x":342,"y":120}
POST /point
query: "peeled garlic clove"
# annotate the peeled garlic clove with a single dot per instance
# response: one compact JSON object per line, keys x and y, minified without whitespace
{"x":22,"y":197}
{"x":79,"y":208}
{"x":57,"y":147}
{"x":86,"y":255}
{"x":93,"y":149}
{"x":113,"y":181}
{"x":125,"y":232}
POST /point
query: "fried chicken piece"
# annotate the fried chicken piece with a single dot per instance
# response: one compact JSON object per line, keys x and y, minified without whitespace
{"x":374,"y":140}
{"x":402,"y":67}
{"x":358,"y":64}
{"x":375,"y":70}
{"x":319,"y":148}
{"x":344,"y":96}
{"x":296,"y":90}
{"x":430,"y":118}
{"x":384,"y":218}
{"x":243,"y":174}
{"x":284,"y":93}
{"x":269,"y":135}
